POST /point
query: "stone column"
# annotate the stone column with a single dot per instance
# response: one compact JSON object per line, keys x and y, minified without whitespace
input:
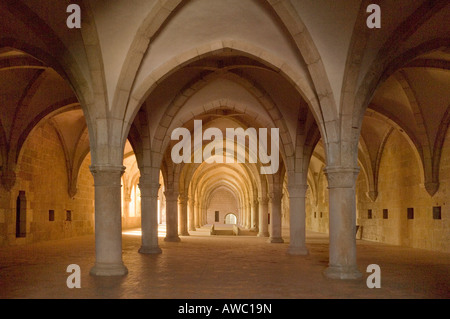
{"x":241,"y":221}
{"x":297,"y":219}
{"x":248,"y":221}
{"x":203,"y":216}
{"x":171,"y":216}
{"x":183,"y":215}
{"x":197,"y":214}
{"x":275,"y":218}
{"x":263,"y":217}
{"x":191,"y":214}
{"x":254,"y":222}
{"x":342,"y":196}
{"x":108,"y":221}
{"x":162,"y":206}
{"x":149,"y":216}
{"x":127,"y":200}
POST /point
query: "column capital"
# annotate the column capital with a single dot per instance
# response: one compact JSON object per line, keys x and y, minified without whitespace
{"x":263,"y":200}
{"x":149,"y":189}
{"x":341,"y":177}
{"x":183,"y":198}
{"x":8,"y":179}
{"x":107,"y":175}
{"x":107,"y":168}
{"x":170,"y":195}
{"x":275,"y":196}
{"x":297,"y":191}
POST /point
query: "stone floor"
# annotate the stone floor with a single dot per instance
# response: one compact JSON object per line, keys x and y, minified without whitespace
{"x":220,"y":267}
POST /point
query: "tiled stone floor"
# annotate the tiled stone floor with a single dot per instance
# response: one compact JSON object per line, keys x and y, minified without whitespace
{"x":220,"y":267}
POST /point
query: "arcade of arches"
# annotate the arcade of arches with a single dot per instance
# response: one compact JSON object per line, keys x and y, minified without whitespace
{"x":363,"y":116}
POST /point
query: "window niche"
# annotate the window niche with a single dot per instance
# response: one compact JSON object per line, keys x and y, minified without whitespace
{"x":21,"y":215}
{"x":216,"y":213}
{"x":437,"y":212}
{"x":369,"y":214}
{"x":68,"y":215}
{"x":410,"y":213}
{"x":51,"y":215}
{"x":385,"y":213}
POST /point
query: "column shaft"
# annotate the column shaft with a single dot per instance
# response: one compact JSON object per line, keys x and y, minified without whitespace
{"x":297,"y":216}
{"x":263,"y":217}
{"x":254,"y":219}
{"x":171,"y":216}
{"x":149,"y":217}
{"x":275,"y":218}
{"x":197,"y":214}
{"x":342,"y":262}
{"x":108,"y":221}
{"x":183,"y":215}
{"x":191,"y":214}
{"x":248,"y":220}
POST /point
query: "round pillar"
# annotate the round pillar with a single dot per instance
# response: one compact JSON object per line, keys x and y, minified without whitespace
{"x":254,"y":217}
{"x":275,"y":220}
{"x":183,"y":215}
{"x":149,"y":217}
{"x":342,"y":201}
{"x":297,"y":216}
{"x":263,"y":217}
{"x":191,"y":214}
{"x":171,"y":216}
{"x":108,"y":221}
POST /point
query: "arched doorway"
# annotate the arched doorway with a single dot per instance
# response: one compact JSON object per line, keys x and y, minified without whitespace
{"x":230,"y":219}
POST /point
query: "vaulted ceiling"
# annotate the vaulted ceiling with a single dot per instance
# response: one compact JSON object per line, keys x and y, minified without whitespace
{"x":249,"y":60}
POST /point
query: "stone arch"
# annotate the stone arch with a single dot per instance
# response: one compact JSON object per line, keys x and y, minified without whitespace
{"x":58,"y":56}
{"x":236,"y":107}
{"x":381,"y":70}
{"x":182,"y":173}
{"x":148,"y":28}
{"x":220,"y":185}
{"x":186,"y":173}
{"x":230,"y":218}
{"x":262,"y":96}
{"x":139,"y":95}
{"x":356,"y":94}
{"x":208,"y":184}
{"x":327,"y":112}
{"x":287,"y":15}
{"x":44,"y":62}
{"x":409,"y":136}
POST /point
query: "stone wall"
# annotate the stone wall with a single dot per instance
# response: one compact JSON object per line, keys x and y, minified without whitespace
{"x":223,"y":201}
{"x":42,"y":176}
{"x":317,"y":206}
{"x":401,"y":187}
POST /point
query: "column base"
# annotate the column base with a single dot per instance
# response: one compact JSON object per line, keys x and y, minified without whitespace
{"x":263,"y":234}
{"x":184,"y":234}
{"x":298,"y":251}
{"x":103,"y":269}
{"x":276,"y":240}
{"x":150,"y":250}
{"x":172,"y":239}
{"x":340,"y":272}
